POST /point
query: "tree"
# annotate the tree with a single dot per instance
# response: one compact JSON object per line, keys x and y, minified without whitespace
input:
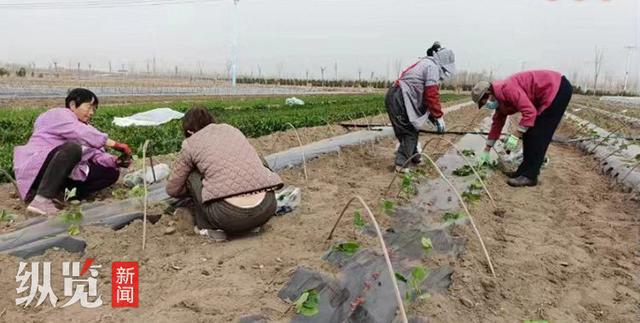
{"x":22,"y":72}
{"x":3,"y":72}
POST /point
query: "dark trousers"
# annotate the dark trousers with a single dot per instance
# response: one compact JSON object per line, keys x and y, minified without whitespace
{"x":537,"y":139}
{"x":53,"y":176}
{"x":224,"y":216}
{"x":403,"y":129}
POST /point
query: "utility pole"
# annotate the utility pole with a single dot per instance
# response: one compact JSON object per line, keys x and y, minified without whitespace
{"x":335,"y":68}
{"x":630,"y":49}
{"x":109,"y":67}
{"x":234,"y":54}
{"x":597,"y":67}
{"x":322,"y":68}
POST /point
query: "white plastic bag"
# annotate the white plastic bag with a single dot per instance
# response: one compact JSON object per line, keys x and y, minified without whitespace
{"x":288,"y":200}
{"x":293,"y":101}
{"x":148,"y":118}
{"x":161,"y":171}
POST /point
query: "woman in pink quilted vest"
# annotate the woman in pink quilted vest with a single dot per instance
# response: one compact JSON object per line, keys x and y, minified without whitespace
{"x":232,"y":188}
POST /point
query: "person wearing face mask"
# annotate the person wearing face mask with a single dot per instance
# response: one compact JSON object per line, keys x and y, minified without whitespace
{"x":541,"y":97}
{"x":65,"y":151}
{"x":414,"y":98}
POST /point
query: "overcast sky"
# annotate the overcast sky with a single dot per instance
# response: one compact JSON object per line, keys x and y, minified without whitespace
{"x":293,"y":36}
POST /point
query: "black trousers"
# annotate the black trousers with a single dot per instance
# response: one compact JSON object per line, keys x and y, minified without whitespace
{"x":53,"y":176}
{"x":536,"y":140}
{"x":224,"y":216}
{"x":403,"y":129}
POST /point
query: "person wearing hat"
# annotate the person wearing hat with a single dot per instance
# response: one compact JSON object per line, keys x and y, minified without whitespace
{"x":541,"y":97}
{"x":415,"y":97}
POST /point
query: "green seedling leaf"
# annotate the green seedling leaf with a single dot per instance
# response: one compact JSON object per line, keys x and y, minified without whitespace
{"x":307,"y":303}
{"x":73,"y":230}
{"x":475,"y":185}
{"x":407,"y":183}
{"x":401,"y":278}
{"x":348,"y":248}
{"x":358,"y":221}
{"x":5,"y":216}
{"x":426,"y":244}
{"x":470,"y":197}
{"x":463,"y":171}
{"x":119,"y":193}
{"x":452,"y":216}
{"x":136,"y":191}
{"x":418,"y":275}
{"x":424,"y":296}
{"x":468,"y":153}
{"x":387,"y":206}
{"x":69,"y":194}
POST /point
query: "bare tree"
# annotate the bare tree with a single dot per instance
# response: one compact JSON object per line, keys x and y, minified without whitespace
{"x":280,"y":68}
{"x":359,"y":74}
{"x":398,"y":67}
{"x":335,"y":68}
{"x":598,"y":66}
{"x":322,"y":69}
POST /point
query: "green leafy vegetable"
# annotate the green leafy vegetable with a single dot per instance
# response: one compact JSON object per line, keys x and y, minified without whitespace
{"x":426,"y":244}
{"x":348,"y":248}
{"x":307,"y":303}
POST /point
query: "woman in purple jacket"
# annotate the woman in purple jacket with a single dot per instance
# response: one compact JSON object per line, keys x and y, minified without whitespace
{"x":541,"y":97}
{"x":65,"y":151}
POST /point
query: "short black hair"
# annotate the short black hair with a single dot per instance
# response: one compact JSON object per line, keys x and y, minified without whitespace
{"x":80,"y":96}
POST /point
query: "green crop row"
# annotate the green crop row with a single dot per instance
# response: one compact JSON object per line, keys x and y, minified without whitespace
{"x":254,"y":117}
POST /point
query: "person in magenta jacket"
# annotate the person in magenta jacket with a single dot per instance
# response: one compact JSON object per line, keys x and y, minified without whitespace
{"x":541,"y":97}
{"x":65,"y":151}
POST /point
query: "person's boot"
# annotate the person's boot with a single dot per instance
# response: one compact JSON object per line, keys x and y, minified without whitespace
{"x":42,"y":206}
{"x":522,"y":181}
{"x":511,"y":174}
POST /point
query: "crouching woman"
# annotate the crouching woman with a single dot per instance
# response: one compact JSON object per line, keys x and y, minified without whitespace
{"x":231,"y":187}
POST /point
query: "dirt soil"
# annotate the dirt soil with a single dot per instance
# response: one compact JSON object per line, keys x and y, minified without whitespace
{"x":565,"y":251}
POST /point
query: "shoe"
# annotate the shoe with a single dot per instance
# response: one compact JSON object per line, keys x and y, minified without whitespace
{"x":521,"y":181}
{"x":511,"y":174}
{"x":42,"y":206}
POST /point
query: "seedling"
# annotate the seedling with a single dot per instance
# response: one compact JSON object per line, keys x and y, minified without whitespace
{"x":5,"y":216}
{"x":418,"y":275}
{"x":358,"y":221}
{"x":136,"y":191}
{"x":470,"y":197}
{"x":307,"y":303}
{"x":406,"y":186}
{"x":463,"y":171}
{"x":452,"y":217}
{"x":426,"y":244}
{"x":119,"y":193}
{"x":475,"y":185}
{"x":347,"y":248}
{"x":72,"y":216}
{"x":387,"y":206}
{"x":468,"y":153}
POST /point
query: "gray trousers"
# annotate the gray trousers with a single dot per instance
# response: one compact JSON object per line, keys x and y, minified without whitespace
{"x":403,"y":129}
{"x":222,"y":215}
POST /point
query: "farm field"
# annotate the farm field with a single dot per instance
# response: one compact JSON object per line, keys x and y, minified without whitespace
{"x":564,"y":251}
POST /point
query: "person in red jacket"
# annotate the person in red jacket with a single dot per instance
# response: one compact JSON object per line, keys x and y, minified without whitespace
{"x":415,"y":98}
{"x":541,"y":97}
